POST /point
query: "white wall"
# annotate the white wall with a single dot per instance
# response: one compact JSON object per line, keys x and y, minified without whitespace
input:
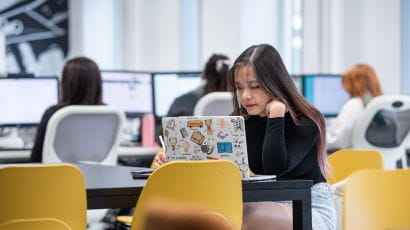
{"x":405,"y":46}
{"x":2,"y":55}
{"x":151,"y":34}
{"x":220,"y":28}
{"x":190,"y":36}
{"x":127,"y":34}
{"x":341,"y":33}
{"x":381,"y":41}
{"x":94,"y":31}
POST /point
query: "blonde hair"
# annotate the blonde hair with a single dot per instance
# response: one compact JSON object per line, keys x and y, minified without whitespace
{"x":361,"y":79}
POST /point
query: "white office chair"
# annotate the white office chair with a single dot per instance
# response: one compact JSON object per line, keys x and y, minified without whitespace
{"x":80,"y":133}
{"x":384,"y":125}
{"x":214,"y":104}
{"x":84,"y":134}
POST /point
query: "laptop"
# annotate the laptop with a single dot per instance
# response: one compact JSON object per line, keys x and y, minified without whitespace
{"x":206,"y":138}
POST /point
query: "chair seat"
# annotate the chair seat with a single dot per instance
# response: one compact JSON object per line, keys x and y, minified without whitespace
{"x":125,"y":219}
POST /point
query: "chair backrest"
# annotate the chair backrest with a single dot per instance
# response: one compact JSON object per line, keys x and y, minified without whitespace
{"x":384,"y":125}
{"x":214,"y":104}
{"x":213,"y":185}
{"x":161,"y":214}
{"x":376,"y":200}
{"x":84,"y":134}
{"x":42,"y":197}
{"x":347,"y":161}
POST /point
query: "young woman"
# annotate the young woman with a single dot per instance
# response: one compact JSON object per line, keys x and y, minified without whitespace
{"x":361,"y":83}
{"x":81,"y":84}
{"x":285,"y":136}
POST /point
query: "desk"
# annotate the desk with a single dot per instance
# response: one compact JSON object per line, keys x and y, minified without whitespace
{"x":24,"y":155}
{"x":113,"y":187}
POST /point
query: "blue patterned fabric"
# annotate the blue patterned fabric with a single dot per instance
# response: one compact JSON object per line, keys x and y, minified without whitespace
{"x":323,"y":208}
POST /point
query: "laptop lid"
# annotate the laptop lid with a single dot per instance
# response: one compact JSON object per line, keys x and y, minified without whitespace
{"x":206,"y":138}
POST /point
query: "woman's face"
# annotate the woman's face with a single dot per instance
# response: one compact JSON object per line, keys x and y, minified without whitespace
{"x":251,"y":96}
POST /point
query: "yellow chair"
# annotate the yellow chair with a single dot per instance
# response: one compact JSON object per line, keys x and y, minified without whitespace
{"x":163,"y":214}
{"x":46,"y":197}
{"x":214,"y":185}
{"x":376,"y":200}
{"x":346,"y":161}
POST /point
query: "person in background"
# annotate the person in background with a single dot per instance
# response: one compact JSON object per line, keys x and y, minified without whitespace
{"x":285,"y":136}
{"x":81,"y":84}
{"x":361,"y":83}
{"x":215,"y":77}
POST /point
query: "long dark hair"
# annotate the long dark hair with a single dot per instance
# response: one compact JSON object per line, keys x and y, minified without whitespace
{"x":81,"y":83}
{"x":215,"y":73}
{"x":275,"y":80}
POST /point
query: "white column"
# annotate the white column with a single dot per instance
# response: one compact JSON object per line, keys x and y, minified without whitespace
{"x":75,"y":28}
{"x":405,"y":46}
{"x":2,"y":55}
{"x":220,"y":28}
{"x":381,"y":41}
{"x":311,"y":49}
{"x":95,"y":31}
{"x":152,"y":34}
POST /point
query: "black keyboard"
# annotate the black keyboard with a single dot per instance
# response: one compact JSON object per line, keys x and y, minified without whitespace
{"x":15,"y":149}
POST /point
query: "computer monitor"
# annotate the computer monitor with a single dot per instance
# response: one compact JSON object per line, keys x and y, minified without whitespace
{"x":325,"y":92}
{"x":24,"y":100}
{"x":168,"y":86}
{"x":131,"y":91}
{"x":297,"y":80}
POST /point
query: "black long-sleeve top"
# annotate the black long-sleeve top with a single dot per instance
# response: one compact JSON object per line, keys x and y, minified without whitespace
{"x":280,"y":147}
{"x":37,"y":151}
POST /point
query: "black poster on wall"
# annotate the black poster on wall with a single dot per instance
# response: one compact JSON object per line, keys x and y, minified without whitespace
{"x":36,"y":35}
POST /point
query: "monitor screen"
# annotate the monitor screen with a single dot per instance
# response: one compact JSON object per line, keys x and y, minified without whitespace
{"x":297,"y":80}
{"x":24,"y":100}
{"x":168,"y":86}
{"x":131,"y":91}
{"x":325,"y":92}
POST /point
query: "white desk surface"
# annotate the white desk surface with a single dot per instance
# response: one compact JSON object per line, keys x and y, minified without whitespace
{"x":122,"y":151}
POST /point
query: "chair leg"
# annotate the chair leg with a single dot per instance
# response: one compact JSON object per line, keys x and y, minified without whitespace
{"x":122,"y":226}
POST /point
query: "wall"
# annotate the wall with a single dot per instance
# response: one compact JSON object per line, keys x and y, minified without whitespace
{"x":340,"y":33}
{"x":175,"y":34}
{"x":103,"y":43}
{"x":150,"y":35}
{"x":405,"y":46}
{"x":2,"y":55}
{"x":220,"y":28}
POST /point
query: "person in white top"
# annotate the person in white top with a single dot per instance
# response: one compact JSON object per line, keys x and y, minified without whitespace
{"x":362,"y":85}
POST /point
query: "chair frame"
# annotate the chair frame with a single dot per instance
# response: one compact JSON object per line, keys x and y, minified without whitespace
{"x":31,"y":185}
{"x":191,"y":173}
{"x":209,"y":98}
{"x":390,"y":155}
{"x":49,"y":153}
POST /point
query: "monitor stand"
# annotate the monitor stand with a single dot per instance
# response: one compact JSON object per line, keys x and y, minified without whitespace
{"x":10,"y":139}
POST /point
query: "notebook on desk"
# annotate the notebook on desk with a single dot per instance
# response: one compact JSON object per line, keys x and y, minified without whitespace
{"x":206,"y":138}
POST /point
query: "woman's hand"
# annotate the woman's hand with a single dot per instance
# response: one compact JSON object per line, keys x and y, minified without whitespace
{"x":275,"y":108}
{"x":159,"y":160}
